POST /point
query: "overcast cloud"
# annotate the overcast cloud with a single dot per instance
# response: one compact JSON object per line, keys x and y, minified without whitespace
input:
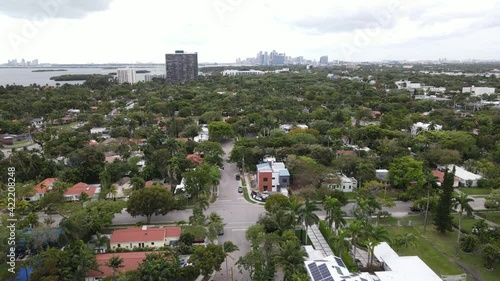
{"x":128,"y":31}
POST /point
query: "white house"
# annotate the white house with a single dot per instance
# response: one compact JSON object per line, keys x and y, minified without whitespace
{"x":98,"y":130}
{"x":409,"y":268}
{"x":478,"y":91}
{"x":37,"y":122}
{"x":343,"y":183}
{"x":465,"y":178}
{"x":407,"y":85}
{"x":286,"y":128}
{"x":41,"y":189}
{"x":203,"y":134}
{"x":419,"y":126}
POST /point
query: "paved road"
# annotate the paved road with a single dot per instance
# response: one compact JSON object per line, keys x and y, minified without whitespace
{"x":238,"y":215}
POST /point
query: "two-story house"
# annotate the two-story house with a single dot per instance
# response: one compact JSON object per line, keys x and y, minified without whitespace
{"x":273,"y":177}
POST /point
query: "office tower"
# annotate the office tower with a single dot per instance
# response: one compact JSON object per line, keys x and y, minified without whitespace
{"x":323,"y":60}
{"x":181,"y":67}
{"x":126,"y":75}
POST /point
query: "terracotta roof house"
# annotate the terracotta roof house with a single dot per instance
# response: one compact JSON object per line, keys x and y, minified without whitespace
{"x":131,"y":261}
{"x":195,"y":158}
{"x":73,"y":193}
{"x":145,"y":236}
{"x":41,"y":189}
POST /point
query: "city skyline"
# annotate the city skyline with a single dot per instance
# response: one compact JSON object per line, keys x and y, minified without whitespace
{"x":113,"y":31}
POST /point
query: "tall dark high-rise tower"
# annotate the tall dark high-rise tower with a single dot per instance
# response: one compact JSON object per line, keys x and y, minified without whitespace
{"x":181,"y":67}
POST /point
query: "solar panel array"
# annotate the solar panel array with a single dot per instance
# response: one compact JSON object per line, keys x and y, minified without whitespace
{"x":320,"y":273}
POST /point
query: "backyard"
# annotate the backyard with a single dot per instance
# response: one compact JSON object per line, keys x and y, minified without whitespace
{"x":491,"y":216}
{"x":438,"y":251}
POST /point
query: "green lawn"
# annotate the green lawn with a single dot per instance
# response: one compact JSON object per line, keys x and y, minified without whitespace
{"x":447,"y":244}
{"x":475,"y":190}
{"x":197,"y":231}
{"x":494,"y":217}
{"x":350,"y":195}
{"x":429,"y":254}
{"x":467,"y":222}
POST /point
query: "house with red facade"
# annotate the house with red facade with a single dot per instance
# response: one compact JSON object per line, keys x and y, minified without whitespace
{"x":273,"y":177}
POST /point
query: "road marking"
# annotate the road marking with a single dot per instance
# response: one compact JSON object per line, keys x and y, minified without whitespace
{"x":239,"y":229}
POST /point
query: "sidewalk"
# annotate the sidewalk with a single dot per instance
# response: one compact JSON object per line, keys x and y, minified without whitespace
{"x":249,"y":188}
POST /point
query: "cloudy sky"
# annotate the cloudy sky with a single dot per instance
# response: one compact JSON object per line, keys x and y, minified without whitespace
{"x":128,"y":31}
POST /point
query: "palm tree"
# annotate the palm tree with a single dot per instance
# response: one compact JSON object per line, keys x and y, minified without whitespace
{"x":336,"y":217}
{"x":340,"y":242}
{"x":331,"y":205}
{"x":431,"y":181}
{"x":112,"y":191}
{"x":308,"y":216}
{"x":376,"y":235}
{"x":462,"y":203}
{"x":229,"y":247}
{"x":294,"y":209}
{"x":290,"y":257}
{"x":115,"y":262}
{"x":355,"y":230}
{"x":215,"y":225}
{"x":202,"y":202}
{"x":405,"y":240}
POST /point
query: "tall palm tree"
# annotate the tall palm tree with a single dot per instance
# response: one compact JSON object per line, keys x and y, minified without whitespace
{"x":295,"y":209}
{"x":355,"y":230}
{"x":115,"y":262}
{"x":462,"y":203}
{"x":336,"y":218}
{"x":431,"y":181}
{"x":330,"y":204}
{"x":215,"y":225}
{"x":308,"y":216}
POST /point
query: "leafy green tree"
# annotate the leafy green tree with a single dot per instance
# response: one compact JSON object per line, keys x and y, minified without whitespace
{"x":150,"y":201}
{"x":219,"y":130}
{"x":404,"y":240}
{"x":276,"y":202}
{"x":160,"y":266}
{"x":137,"y":182}
{"x":468,"y":243}
{"x":442,"y":217}
{"x":76,"y":261}
{"x":405,"y":171}
{"x":208,"y":259}
{"x":491,"y":254}
{"x":462,"y":203}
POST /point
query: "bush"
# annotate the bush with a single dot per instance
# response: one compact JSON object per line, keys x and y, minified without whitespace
{"x":468,"y":243}
{"x":319,"y":194}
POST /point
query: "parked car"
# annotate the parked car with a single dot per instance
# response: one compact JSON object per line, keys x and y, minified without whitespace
{"x":359,"y":264}
{"x":240,"y":189}
{"x":238,"y":177}
{"x":221,"y":232}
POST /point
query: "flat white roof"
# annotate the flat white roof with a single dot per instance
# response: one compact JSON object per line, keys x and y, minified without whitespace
{"x":410,"y":268}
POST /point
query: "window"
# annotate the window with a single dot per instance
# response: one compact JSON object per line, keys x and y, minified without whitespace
{"x":265,"y":179}
{"x":274,"y":178}
{"x":284,"y":180}
{"x":343,"y":187}
{"x":152,"y":243}
{"x":118,"y":246}
{"x":265,"y":188}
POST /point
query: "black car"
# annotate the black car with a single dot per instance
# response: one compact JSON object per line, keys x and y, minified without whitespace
{"x":238,"y":177}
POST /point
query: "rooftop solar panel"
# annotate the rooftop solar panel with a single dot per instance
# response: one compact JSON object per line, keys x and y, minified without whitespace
{"x":339,"y":262}
{"x":328,"y":279}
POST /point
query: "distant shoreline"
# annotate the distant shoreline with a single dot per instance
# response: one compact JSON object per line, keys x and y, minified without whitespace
{"x":48,"y":70}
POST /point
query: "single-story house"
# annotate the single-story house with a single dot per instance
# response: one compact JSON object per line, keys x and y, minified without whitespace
{"x":41,"y":189}
{"x":342,"y":182}
{"x":131,"y":261}
{"x":465,"y":178}
{"x":73,"y":193}
{"x":145,"y":236}
{"x":440,"y":178}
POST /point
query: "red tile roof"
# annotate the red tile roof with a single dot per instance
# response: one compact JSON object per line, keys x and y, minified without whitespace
{"x":43,"y":187}
{"x":439,"y":175}
{"x":195,"y":158}
{"x":80,"y":187}
{"x":131,"y":261}
{"x":150,"y":183}
{"x":137,"y":234}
